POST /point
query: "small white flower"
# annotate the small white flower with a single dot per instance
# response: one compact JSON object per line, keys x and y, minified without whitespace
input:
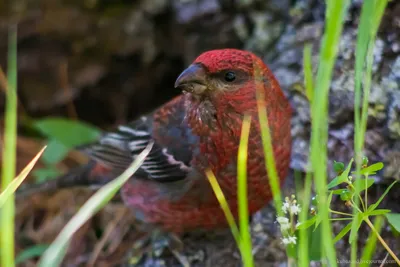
{"x":289,"y":240}
{"x":297,"y":225}
{"x":292,"y":240}
{"x":285,"y":227}
{"x":295,"y":209}
{"x":285,"y":241}
{"x":286,"y":207}
{"x":282,"y":220}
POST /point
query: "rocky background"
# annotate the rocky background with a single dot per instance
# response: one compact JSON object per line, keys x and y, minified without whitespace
{"x":107,"y":62}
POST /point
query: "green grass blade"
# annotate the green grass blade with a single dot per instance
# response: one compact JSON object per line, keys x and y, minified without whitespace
{"x":55,"y":253}
{"x":335,"y":13}
{"x":12,"y":187}
{"x":269,"y":158}
{"x":242,"y":193}
{"x":308,"y":74}
{"x":9,"y":154}
{"x":303,"y":232}
{"x":371,"y":15}
{"x":31,"y":252}
{"x":225,"y":207}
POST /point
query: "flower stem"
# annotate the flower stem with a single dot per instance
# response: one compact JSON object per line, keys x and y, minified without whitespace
{"x":384,"y":244}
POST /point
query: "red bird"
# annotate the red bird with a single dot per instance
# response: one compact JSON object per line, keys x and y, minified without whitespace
{"x":197,"y":130}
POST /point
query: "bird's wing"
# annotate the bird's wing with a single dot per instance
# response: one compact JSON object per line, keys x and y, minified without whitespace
{"x":169,"y":159}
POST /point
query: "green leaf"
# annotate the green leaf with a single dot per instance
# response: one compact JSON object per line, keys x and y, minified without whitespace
{"x":338,"y":191}
{"x":31,"y":252}
{"x":56,"y":251}
{"x":341,"y":178}
{"x":55,"y":152}
{"x":377,"y":212}
{"x":372,"y":169}
{"x":394,"y":220}
{"x":375,"y":205}
{"x":67,"y":132}
{"x":342,"y":233}
{"x":318,"y":220}
{"x":308,"y":223}
{"x":362,"y":184}
{"x":346,"y":195}
{"x":45,"y":174}
{"x":315,"y":245}
{"x":355,"y":225}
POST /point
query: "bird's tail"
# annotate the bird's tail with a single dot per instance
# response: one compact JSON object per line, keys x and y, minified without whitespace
{"x":92,"y":174}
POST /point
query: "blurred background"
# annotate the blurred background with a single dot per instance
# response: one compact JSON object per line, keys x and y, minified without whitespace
{"x":105,"y":62}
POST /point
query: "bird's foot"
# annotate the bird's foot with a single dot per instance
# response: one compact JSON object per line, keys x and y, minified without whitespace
{"x":153,"y":246}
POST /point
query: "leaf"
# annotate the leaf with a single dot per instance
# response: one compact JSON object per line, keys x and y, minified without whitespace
{"x":317,"y":221}
{"x":338,"y":191}
{"x":375,"y":205}
{"x":377,"y":212}
{"x":30,"y":252}
{"x":394,"y":220}
{"x":372,"y":169}
{"x":315,"y":245}
{"x":342,"y":233}
{"x":67,"y":132}
{"x":45,"y":174}
{"x":341,"y":178}
{"x":55,"y":152}
{"x":307,"y":224}
{"x":362,"y":184}
{"x":56,"y":251}
{"x":12,"y":187}
{"x":355,"y":225}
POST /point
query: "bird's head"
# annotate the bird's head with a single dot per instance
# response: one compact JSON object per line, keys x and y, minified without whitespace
{"x":222,"y":82}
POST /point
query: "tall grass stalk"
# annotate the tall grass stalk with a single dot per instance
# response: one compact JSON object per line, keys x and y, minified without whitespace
{"x":371,"y":15}
{"x":267,"y":141}
{"x":242,"y":193}
{"x":303,"y":250}
{"x":9,"y":154}
{"x":335,"y":12}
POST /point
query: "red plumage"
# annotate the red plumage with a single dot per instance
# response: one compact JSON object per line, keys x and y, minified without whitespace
{"x":218,"y":143}
{"x":197,"y":130}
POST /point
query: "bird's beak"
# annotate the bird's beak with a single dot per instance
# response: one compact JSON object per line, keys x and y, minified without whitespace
{"x":192,"y":79}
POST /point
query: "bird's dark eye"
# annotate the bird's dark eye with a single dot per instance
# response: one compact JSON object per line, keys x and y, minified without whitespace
{"x":230,"y":76}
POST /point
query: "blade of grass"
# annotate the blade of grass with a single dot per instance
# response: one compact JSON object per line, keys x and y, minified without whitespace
{"x":12,"y":187}
{"x":31,"y":252}
{"x":335,"y":12}
{"x":55,"y":253}
{"x":303,"y":233}
{"x":269,"y":158}
{"x":267,"y":141}
{"x":225,"y":207}
{"x":371,"y":15}
{"x":308,"y":74}
{"x":242,"y":193}
{"x":9,"y":154}
{"x":306,"y":196}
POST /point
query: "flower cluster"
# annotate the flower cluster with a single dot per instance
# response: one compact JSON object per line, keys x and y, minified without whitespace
{"x":287,"y":223}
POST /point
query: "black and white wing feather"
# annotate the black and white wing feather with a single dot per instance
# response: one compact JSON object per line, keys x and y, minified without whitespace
{"x":120,"y":148}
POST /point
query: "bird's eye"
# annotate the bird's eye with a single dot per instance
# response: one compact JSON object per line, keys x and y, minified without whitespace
{"x":230,"y":76}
